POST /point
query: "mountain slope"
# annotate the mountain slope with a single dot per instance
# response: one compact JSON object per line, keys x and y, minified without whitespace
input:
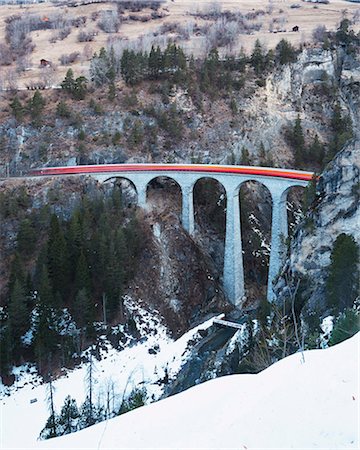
{"x":290,"y":405}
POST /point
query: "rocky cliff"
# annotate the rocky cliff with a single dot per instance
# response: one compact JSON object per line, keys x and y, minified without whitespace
{"x":335,"y":210}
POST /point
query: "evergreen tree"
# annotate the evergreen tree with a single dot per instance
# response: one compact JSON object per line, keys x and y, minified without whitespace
{"x":17,"y":108}
{"x":26,"y":237}
{"x":245,"y":156}
{"x":45,"y":335}
{"x":136,"y":399}
{"x":58,"y":259}
{"x":18,"y":321}
{"x":62,"y":110}
{"x":155,"y":63}
{"x":69,"y":417}
{"x":285,"y":52}
{"x":298,"y":142}
{"x":346,"y":326}
{"x":77,"y":88}
{"x":74,"y":239}
{"x":136,"y":135}
{"x":80,"y":88}
{"x":50,"y":430}
{"x":68,"y":84}
{"x":342,"y":284}
{"x":112,"y":92}
{"x":36,"y":107}
{"x":316,"y":152}
{"x":82,"y":275}
{"x":342,"y":129}
{"x":310,"y":193}
{"x":89,"y":413}
{"x":16,"y":272}
{"x":257,"y":59}
{"x":84,"y":312}
{"x":6,"y":357}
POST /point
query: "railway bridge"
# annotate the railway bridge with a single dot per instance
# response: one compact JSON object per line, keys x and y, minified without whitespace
{"x":277,"y":181}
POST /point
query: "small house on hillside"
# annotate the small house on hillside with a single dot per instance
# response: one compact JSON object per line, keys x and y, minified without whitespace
{"x":45,"y":63}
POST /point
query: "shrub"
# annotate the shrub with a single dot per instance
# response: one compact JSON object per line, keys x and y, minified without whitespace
{"x":69,"y":58}
{"x":84,"y":36}
{"x":346,"y":325}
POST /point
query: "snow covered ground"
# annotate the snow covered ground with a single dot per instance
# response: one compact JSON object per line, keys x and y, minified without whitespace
{"x":290,"y":405}
{"x":21,"y":420}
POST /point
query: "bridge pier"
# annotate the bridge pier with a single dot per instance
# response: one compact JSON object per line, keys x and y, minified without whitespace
{"x":233,"y":276}
{"x":141,"y":192}
{"x":279,"y":233}
{"x":187,"y":216}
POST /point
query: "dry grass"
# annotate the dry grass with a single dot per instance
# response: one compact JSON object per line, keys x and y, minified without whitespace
{"x":307,"y":17}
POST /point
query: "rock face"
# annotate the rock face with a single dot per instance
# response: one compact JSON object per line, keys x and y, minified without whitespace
{"x":336,"y":211}
{"x":308,"y":87}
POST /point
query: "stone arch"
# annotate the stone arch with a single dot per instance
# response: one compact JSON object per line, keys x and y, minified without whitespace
{"x":256,"y":206}
{"x":292,"y":197}
{"x":210,"y":201}
{"x":159,"y":184}
{"x":128,"y":189}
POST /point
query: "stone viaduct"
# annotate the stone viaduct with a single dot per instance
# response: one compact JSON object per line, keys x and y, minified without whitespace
{"x":277,"y":181}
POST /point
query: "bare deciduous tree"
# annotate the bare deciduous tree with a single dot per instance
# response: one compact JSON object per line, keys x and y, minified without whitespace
{"x":319,"y":33}
{"x":109,"y":21}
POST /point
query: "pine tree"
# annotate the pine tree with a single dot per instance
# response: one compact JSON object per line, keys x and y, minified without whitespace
{"x":58,"y":259}
{"x":257,"y":58}
{"x":90,"y":414}
{"x":62,"y":110}
{"x":298,"y":142}
{"x":16,"y":271}
{"x":316,"y":151}
{"x":112,"y":92}
{"x":245,"y":156}
{"x":74,"y":240}
{"x":155,"y":63}
{"x":68,"y":84}
{"x":51,"y":429}
{"x":342,"y":285}
{"x":17,"y":109}
{"x":285,"y":52}
{"x":82,"y":275}
{"x":69,"y":417}
{"x":26,"y":237}
{"x":346,"y":325}
{"x":45,"y":335}
{"x":342,"y":129}
{"x":84,"y":312}
{"x":36,"y":107}
{"x":18,"y":321}
{"x":6,"y":357}
{"x":80,"y":88}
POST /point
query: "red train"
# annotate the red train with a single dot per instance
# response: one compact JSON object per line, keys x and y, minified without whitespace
{"x":206,"y":168}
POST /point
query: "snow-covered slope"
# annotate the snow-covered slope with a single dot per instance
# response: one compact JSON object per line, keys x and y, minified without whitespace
{"x":23,"y":406}
{"x":291,"y":404}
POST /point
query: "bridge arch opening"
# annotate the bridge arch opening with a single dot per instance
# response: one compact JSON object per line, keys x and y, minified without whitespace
{"x":128,"y":191}
{"x":210,"y":218}
{"x":163,"y":193}
{"x":256,"y":218}
{"x":294,"y":197}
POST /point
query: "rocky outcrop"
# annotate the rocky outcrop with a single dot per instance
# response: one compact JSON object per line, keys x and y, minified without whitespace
{"x":336,"y":210}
